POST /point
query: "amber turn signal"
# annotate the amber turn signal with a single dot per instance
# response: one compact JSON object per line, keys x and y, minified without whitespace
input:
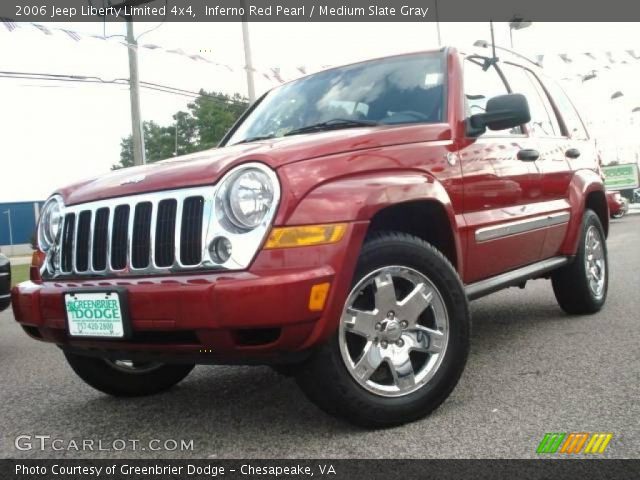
{"x":37,"y":260}
{"x":318,"y":296}
{"x":304,"y":236}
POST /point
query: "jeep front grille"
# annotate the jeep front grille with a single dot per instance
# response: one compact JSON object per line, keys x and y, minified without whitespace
{"x":137,"y":235}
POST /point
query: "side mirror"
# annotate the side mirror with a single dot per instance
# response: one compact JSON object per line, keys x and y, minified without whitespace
{"x":502,"y":112}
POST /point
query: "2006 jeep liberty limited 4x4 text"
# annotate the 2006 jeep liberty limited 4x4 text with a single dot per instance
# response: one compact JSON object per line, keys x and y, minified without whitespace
{"x":338,"y":233}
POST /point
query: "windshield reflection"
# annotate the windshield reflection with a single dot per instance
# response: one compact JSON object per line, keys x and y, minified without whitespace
{"x":390,"y":91}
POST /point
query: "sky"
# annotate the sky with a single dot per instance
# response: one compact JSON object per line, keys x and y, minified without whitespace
{"x":57,"y":133}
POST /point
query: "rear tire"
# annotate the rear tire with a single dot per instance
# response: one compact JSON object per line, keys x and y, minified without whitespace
{"x":126,"y":379}
{"x":437,"y":335}
{"x":581,"y":287}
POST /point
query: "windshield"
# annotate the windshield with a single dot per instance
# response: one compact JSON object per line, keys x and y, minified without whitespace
{"x":391,"y":91}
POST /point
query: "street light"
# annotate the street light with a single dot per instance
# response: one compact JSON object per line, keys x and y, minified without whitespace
{"x":516,"y":24}
{"x":617,"y":94}
{"x":8,"y":214}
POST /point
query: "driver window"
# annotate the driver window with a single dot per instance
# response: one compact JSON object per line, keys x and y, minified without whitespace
{"x":479,"y":86}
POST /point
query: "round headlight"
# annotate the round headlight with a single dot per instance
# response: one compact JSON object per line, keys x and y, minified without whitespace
{"x":50,"y":222}
{"x":249,"y":198}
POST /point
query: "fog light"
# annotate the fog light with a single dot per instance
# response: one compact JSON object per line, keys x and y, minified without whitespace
{"x":220,"y":249}
{"x":318,"y":296}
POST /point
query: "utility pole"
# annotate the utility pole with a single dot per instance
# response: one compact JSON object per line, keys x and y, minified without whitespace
{"x":438,"y":24}
{"x":248,"y":62}
{"x":134,"y":93}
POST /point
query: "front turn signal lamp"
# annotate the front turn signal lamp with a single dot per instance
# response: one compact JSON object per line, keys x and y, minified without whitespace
{"x":306,"y":235}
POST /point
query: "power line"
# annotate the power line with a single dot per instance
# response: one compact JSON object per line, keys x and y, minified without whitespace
{"x":116,"y":81}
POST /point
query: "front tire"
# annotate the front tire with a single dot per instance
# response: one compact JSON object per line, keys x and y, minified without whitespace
{"x":123,"y":378}
{"x":403,"y":338}
{"x":581,"y":287}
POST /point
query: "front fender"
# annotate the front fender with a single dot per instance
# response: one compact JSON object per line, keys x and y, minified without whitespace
{"x":359,"y":197}
{"x":583,"y":183}
{"x":356,"y":199}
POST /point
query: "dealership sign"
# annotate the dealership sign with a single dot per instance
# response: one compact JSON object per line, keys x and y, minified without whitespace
{"x":621,"y":177}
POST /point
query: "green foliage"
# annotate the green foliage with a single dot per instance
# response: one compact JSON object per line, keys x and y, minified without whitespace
{"x":209,"y":117}
{"x":19,"y":273}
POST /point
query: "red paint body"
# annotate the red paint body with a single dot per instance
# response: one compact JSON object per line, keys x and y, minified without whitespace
{"x":615,"y":202}
{"x":337,"y":176}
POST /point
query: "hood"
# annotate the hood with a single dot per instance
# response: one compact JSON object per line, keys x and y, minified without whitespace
{"x":206,"y":167}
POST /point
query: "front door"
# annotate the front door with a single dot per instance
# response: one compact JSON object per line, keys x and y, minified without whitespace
{"x":502,"y":186}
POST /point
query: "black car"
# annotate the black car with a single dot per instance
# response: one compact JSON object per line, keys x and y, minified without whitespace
{"x":5,"y":282}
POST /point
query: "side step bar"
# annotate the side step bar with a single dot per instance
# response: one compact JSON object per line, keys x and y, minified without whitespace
{"x":514,"y":277}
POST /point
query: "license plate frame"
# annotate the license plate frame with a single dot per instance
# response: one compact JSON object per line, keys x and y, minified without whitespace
{"x":109,"y":292}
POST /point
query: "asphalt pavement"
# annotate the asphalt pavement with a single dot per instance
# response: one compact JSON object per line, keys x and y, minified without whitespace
{"x":532,"y":370}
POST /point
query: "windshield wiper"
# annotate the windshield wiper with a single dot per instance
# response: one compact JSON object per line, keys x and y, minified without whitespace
{"x":255,"y":139}
{"x":332,"y":124}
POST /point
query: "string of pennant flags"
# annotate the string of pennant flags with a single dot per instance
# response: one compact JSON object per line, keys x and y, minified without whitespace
{"x":273,"y":74}
{"x":589,"y":62}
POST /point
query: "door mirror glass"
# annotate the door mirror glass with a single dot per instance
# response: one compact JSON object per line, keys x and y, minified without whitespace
{"x":502,"y":112}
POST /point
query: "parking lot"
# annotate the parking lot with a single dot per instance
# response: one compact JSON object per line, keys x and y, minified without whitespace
{"x":532,"y":370}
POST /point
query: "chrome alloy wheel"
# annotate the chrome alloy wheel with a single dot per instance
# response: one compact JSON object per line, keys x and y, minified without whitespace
{"x":129,"y":366}
{"x":595,"y":262}
{"x":394,"y":331}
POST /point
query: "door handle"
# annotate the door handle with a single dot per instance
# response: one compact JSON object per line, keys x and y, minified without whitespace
{"x":528,"y":155}
{"x":572,"y":153}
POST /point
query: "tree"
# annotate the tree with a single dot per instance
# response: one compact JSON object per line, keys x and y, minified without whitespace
{"x":209,"y":117}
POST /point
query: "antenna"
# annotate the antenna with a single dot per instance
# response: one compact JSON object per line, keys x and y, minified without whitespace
{"x":493,"y":41}
{"x":494,"y":58}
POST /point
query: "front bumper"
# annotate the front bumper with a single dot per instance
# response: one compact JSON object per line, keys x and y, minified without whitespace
{"x":255,"y":315}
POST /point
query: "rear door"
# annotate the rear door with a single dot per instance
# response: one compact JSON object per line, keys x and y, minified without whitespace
{"x":502,"y":186}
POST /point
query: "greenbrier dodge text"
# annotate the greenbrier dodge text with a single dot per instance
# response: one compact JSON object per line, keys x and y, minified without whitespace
{"x":208,"y":470}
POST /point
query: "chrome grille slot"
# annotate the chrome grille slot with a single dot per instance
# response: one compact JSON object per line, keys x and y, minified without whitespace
{"x":68,"y":237}
{"x":165,"y":233}
{"x":119,"y":237}
{"x":141,"y":238}
{"x":191,"y":231}
{"x":100,"y":239}
{"x":82,"y":241}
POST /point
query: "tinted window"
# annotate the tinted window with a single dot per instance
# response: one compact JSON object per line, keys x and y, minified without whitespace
{"x":398,"y":90}
{"x":479,"y":87}
{"x":575,"y":127}
{"x":543,"y":121}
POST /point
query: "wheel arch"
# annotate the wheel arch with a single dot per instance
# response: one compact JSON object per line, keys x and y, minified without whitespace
{"x":404,"y":217}
{"x":388,"y":201}
{"x":586,"y":190}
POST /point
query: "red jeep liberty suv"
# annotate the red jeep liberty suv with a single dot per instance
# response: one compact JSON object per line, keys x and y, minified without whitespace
{"x":337,"y":233}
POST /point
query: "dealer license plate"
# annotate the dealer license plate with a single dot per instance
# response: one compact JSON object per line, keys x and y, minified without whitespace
{"x":94,"y":314}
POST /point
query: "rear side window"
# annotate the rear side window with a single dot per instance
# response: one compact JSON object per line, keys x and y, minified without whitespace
{"x":479,"y":86}
{"x":543,"y":119}
{"x":573,"y":123}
